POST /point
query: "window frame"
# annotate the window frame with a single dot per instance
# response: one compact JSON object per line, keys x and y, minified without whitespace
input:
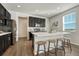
{"x":70,"y":22}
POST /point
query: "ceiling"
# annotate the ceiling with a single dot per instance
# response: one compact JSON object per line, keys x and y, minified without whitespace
{"x":39,"y":9}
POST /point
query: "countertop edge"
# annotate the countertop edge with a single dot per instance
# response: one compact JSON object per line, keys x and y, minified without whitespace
{"x":5,"y":33}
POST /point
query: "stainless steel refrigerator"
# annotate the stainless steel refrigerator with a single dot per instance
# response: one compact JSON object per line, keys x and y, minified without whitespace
{"x":13,"y":31}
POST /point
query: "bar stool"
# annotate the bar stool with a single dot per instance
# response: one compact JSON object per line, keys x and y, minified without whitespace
{"x":67,"y":43}
{"x":41,"y":43}
{"x":53,"y":46}
{"x":60,"y":46}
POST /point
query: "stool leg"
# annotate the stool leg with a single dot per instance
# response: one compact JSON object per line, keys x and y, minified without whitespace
{"x":44,"y":50}
{"x":48,"y":47}
{"x":38,"y":50}
{"x":63,"y":43}
{"x":64,"y":47}
{"x":64,"y":51}
{"x":70,"y":46}
{"x":68,"y":42}
{"x":55,"y":49}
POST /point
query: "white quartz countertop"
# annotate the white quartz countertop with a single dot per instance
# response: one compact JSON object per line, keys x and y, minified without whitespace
{"x":49,"y":34}
{"x":4,"y":33}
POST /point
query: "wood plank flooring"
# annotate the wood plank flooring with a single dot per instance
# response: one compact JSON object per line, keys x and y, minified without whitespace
{"x":24,"y":48}
{"x":21,"y":48}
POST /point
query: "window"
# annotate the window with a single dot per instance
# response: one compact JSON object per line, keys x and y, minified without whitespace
{"x":69,"y":22}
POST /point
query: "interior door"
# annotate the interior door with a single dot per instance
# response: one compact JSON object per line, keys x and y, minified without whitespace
{"x":22,"y":31}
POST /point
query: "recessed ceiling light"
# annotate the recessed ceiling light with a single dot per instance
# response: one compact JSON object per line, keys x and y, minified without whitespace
{"x":18,"y":6}
{"x":36,"y":10}
{"x":48,"y":13}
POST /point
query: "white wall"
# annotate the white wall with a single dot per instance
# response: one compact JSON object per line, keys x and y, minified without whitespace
{"x":15,"y":15}
{"x":74,"y":35}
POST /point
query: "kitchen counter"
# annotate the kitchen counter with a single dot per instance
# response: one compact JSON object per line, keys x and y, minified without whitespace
{"x":44,"y":36}
{"x":4,"y":33}
{"x":48,"y":34}
{"x":39,"y":36}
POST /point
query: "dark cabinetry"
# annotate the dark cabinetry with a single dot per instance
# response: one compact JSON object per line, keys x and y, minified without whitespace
{"x":5,"y":26}
{"x":1,"y":45}
{"x":2,"y":22}
{"x":5,"y":22}
{"x":8,"y":26}
{"x":4,"y":14}
{"x":7,"y":15}
{"x":33,"y":21}
{"x":5,"y":19}
{"x":5,"y":42}
{"x":2,"y":11}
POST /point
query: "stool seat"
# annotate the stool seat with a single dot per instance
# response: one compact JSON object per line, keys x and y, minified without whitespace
{"x":41,"y":42}
{"x":51,"y":41}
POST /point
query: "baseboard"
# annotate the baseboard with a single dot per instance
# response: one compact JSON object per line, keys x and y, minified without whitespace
{"x":75,"y":44}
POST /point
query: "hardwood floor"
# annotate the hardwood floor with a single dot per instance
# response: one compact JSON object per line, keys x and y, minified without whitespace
{"x":24,"y":48}
{"x":21,"y":48}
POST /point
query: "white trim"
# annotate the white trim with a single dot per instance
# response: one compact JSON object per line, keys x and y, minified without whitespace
{"x":75,"y":43}
{"x":68,"y":22}
{"x":63,"y":24}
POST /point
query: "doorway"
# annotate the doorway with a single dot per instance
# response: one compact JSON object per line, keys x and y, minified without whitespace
{"x":22,"y":27}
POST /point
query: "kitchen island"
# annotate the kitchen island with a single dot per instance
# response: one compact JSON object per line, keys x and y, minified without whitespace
{"x":44,"y":36}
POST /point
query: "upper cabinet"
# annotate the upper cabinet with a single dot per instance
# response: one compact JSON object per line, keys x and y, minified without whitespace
{"x":4,"y":14}
{"x":36,"y":22}
{"x":7,"y":15}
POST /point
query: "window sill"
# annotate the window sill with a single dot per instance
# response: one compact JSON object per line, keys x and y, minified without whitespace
{"x":70,"y":31}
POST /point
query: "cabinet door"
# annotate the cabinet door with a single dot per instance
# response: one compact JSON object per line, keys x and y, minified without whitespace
{"x":2,"y":22}
{"x":2,"y":11}
{"x":8,"y":16}
{"x":5,"y":41}
{"x":31,"y":22}
{"x":42,"y":22}
{"x":1,"y":45}
{"x":9,"y":39}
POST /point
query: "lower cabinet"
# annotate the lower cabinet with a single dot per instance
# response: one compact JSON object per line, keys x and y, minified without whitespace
{"x":5,"y":41}
{"x":1,"y":45}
